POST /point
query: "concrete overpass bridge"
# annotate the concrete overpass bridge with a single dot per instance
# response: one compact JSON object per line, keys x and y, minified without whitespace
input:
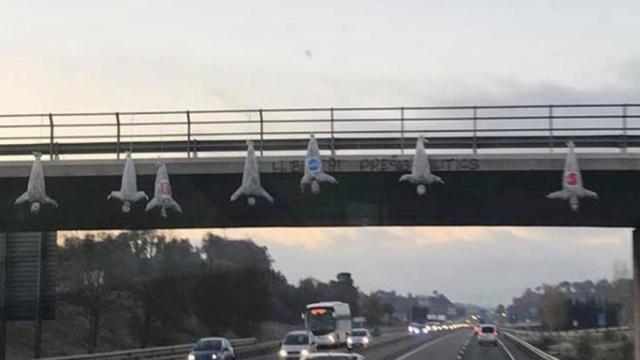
{"x":498,"y":163}
{"x":480,"y":189}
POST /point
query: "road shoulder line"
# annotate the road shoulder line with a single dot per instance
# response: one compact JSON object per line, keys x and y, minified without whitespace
{"x":506,"y":350}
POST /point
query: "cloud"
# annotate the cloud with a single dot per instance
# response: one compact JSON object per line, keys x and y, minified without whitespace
{"x":237,"y":56}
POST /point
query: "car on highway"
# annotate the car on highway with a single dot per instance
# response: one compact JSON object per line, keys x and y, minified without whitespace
{"x":335,"y":356}
{"x":296,"y":345}
{"x":418,"y":328}
{"x":433,"y":326}
{"x":359,"y":338}
{"x":212,"y":348}
{"x":488,"y":335}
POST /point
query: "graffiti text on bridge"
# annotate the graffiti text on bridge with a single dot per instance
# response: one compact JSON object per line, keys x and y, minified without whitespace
{"x":376,"y":165}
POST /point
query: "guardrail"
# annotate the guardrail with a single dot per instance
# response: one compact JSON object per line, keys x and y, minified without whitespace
{"x":373,"y":128}
{"x":570,"y":333}
{"x":530,"y":348}
{"x":163,"y":352}
{"x":242,"y":347}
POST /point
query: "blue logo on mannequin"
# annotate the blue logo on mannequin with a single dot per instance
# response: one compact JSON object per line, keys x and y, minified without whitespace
{"x":313,"y":164}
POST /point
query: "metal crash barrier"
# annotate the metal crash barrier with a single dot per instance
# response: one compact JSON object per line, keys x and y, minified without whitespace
{"x":530,"y":348}
{"x":244,"y":348}
{"x":241,"y":346}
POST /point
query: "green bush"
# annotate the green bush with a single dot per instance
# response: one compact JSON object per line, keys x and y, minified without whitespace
{"x":626,"y":348}
{"x":545,"y":343}
{"x":584,"y":348}
{"x":609,"y":336}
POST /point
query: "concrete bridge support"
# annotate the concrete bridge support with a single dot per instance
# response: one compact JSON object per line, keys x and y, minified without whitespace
{"x":636,"y":291}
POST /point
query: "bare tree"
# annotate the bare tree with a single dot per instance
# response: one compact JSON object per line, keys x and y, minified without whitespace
{"x":554,"y":308}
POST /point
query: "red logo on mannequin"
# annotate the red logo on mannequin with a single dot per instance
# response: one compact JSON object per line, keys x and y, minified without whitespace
{"x":165,"y":188}
{"x":571,"y":178}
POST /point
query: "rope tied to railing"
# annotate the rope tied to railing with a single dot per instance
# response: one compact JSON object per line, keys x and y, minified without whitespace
{"x":131,"y":133}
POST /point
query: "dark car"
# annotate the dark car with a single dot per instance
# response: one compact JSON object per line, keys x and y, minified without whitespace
{"x":212,"y":348}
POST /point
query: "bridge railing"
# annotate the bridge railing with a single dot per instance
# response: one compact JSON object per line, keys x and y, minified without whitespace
{"x":460,"y":128}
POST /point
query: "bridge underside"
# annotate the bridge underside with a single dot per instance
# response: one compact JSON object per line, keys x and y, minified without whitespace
{"x":374,"y":198}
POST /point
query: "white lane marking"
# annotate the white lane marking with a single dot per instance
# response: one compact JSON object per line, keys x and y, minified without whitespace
{"x":421,"y":348}
{"x":506,"y":350}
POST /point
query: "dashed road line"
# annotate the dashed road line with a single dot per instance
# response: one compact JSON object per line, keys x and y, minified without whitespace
{"x":463,"y":349}
{"x":425,"y":346}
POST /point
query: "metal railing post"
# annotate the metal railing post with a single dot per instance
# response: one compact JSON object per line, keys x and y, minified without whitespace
{"x":188,"y":134}
{"x":333,"y":147}
{"x":624,"y":128}
{"x":475,"y":129}
{"x":261,"y":133}
{"x":51,"y":134}
{"x":118,"y":135}
{"x":551,"y":144}
{"x":402,"y":130}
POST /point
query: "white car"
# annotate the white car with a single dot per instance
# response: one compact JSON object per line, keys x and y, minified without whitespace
{"x":417,"y":329}
{"x":488,"y":334}
{"x":296,"y":345}
{"x":433,"y":326}
{"x":214,"y":348}
{"x":335,"y":356}
{"x":359,"y":338}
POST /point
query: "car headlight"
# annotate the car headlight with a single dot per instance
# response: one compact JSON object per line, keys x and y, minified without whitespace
{"x":365,"y":340}
{"x":191,"y":357}
{"x":331,"y":339}
{"x":410,"y":329}
{"x":425,"y":330}
{"x":214,"y":357}
{"x":282,"y":353}
{"x":304,"y":352}
{"x":349,"y":340}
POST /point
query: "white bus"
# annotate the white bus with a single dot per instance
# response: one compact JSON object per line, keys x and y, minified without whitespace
{"x":329,"y":322}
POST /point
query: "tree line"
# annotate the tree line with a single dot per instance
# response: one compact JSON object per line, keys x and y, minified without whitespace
{"x":571,"y":305}
{"x":158,"y":290}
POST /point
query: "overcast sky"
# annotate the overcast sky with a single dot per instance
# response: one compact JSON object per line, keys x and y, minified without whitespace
{"x":480,"y":265}
{"x":134,"y":55}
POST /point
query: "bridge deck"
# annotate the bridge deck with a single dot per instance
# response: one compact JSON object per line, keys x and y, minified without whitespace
{"x":478,"y":190}
{"x":337,"y":144}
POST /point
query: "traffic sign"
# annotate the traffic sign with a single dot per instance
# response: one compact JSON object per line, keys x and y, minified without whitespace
{"x":602,"y":320}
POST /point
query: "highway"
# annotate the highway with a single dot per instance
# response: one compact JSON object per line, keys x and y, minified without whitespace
{"x":463,"y":344}
{"x":441,"y":345}
{"x":438,"y":346}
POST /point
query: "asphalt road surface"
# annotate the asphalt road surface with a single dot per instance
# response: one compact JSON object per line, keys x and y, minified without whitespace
{"x":438,"y":346}
{"x":463,"y":344}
